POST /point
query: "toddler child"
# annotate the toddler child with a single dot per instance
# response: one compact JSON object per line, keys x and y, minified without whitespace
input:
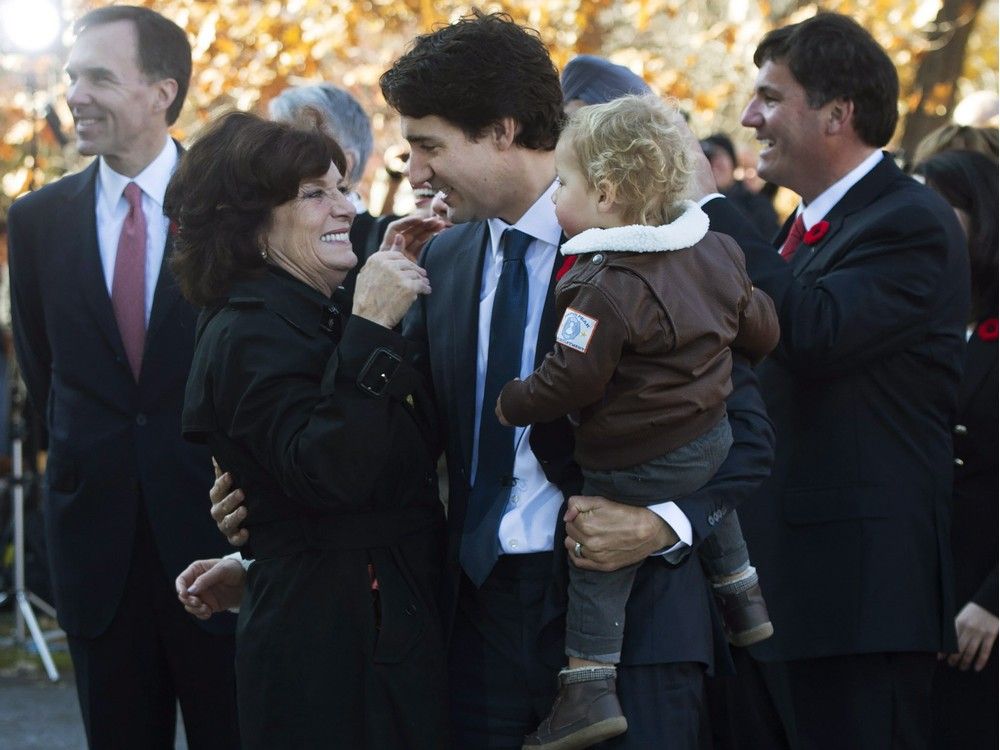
{"x":642,"y":365}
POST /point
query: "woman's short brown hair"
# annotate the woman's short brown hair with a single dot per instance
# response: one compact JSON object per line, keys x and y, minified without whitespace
{"x":221,"y":197}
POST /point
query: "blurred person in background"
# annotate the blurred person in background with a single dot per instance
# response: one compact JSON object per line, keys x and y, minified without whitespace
{"x":721,"y":154}
{"x":952,"y":137}
{"x":964,"y":694}
{"x":588,"y":79}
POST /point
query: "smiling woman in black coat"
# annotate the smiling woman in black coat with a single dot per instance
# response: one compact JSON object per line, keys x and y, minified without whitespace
{"x":317,"y":414}
{"x":965,"y":696}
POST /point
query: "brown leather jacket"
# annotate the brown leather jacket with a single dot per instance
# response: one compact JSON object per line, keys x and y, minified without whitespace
{"x":642,"y":358}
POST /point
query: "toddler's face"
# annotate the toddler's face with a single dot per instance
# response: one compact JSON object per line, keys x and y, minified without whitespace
{"x":576,"y":201}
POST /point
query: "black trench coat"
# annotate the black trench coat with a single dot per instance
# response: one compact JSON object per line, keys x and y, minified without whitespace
{"x":323,"y":428}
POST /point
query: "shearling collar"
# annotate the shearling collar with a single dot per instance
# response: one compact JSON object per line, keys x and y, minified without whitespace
{"x":683,"y":232}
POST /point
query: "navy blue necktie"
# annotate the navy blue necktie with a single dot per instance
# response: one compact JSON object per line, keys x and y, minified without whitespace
{"x":480,"y":546}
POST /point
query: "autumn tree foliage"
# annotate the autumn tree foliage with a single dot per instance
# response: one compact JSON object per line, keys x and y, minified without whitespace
{"x":698,"y":51}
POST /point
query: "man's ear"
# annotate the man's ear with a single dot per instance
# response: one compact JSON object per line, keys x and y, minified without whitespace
{"x":504,"y":131}
{"x":166,"y":92}
{"x":840,"y":115}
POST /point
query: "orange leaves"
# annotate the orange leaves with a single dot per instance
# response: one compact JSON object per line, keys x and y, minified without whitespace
{"x":699,"y":51}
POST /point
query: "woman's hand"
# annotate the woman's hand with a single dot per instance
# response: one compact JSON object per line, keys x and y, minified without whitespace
{"x":209,"y":586}
{"x":228,"y":511}
{"x":977,"y":635}
{"x":388,"y":285}
{"x":415,"y":231}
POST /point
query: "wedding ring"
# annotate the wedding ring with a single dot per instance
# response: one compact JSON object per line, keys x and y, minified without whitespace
{"x":578,"y":550}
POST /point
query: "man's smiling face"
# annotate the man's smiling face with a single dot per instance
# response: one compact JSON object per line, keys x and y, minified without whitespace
{"x":465,"y":171}
{"x":790,"y":131}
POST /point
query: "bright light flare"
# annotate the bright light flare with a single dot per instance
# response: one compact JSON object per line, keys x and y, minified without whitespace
{"x":30,"y":25}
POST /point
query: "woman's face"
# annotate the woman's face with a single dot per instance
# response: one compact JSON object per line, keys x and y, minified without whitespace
{"x":308,"y":235}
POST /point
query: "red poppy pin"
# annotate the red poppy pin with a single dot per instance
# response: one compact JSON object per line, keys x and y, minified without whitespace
{"x":567,"y":264}
{"x":816,"y":232}
{"x":173,"y":229}
{"x":989,"y":329}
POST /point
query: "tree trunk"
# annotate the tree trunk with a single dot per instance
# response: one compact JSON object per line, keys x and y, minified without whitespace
{"x":933,"y":97}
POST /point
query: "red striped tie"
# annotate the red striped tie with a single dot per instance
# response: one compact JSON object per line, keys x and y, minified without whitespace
{"x":794,"y":238}
{"x":128,"y":287}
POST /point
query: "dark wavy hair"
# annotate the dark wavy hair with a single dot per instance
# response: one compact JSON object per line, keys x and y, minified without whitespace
{"x":221,"y":198}
{"x":476,"y":72}
{"x":164,"y":49}
{"x":968,"y":181}
{"x":833,"y":57}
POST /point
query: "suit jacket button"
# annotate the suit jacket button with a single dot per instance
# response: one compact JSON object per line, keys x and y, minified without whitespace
{"x":959,"y":462}
{"x":140,"y":420}
{"x":961,"y":429}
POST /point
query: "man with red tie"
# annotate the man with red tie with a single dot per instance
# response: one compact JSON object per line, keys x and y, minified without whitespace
{"x":850,"y":533}
{"x":104,"y":342}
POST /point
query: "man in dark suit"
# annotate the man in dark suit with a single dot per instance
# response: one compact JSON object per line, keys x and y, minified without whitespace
{"x":104,"y":341}
{"x":481,"y":129}
{"x":850,"y":533}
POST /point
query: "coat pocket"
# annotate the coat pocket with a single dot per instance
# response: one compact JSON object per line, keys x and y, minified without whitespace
{"x":401,"y":611}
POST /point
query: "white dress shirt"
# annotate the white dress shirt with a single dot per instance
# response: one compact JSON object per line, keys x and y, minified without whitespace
{"x":529,"y":521}
{"x":112,"y":208}
{"x":825,"y":201}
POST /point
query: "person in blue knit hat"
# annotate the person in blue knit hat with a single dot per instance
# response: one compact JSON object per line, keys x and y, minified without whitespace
{"x":588,"y":79}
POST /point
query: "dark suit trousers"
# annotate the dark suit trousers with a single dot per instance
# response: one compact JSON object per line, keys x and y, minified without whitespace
{"x":153,"y":654}
{"x":862,"y":701}
{"x":965,"y":707}
{"x":503,"y":671}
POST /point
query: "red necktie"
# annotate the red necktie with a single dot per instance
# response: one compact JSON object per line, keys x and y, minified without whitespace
{"x":794,"y":238}
{"x":128,"y":287}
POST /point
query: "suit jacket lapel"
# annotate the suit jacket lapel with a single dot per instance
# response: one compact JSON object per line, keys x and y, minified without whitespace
{"x":779,"y":238}
{"x":80,"y":226}
{"x":167,"y":293}
{"x":816,"y":257}
{"x":547,"y":327}
{"x":463,"y":310}
{"x":166,"y":296}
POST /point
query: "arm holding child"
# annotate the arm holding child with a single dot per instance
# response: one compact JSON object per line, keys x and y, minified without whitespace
{"x":576,"y":372}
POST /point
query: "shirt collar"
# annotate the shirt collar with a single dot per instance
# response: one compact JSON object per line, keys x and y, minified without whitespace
{"x":825,"y":201}
{"x":152,"y":180}
{"x":538,"y":222}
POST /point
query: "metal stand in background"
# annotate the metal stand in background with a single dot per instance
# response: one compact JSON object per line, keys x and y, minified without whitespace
{"x":25,"y":600}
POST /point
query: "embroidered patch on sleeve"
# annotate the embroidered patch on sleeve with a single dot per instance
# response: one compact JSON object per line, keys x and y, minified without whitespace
{"x":576,"y":329}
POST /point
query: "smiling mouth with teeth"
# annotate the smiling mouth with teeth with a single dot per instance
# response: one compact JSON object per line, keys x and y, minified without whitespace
{"x":335,"y":237}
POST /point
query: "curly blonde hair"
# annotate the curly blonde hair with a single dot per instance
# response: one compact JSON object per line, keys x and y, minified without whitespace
{"x":632,"y":149}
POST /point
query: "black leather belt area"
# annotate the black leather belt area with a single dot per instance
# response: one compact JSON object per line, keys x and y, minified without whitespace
{"x":342,"y":532}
